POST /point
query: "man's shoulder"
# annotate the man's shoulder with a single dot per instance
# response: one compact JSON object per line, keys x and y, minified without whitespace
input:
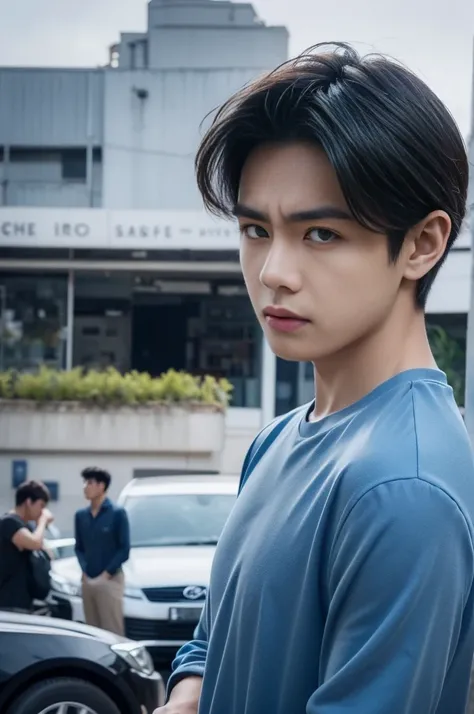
{"x":423,"y":439}
{"x":118,"y":509}
{"x":82,"y":512}
{"x":10,"y":524}
{"x":11,"y":519}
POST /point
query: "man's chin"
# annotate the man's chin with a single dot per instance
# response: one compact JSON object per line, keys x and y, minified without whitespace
{"x":290,"y":350}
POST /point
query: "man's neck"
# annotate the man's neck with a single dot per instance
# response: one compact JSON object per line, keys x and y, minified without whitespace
{"x":398,"y":345}
{"x":97,"y":503}
{"x":20,"y":512}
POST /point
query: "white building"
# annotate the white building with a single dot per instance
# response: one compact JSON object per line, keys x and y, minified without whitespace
{"x":106,"y":256}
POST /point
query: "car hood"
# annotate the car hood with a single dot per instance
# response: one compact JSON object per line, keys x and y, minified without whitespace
{"x":31,"y":624}
{"x":155,"y":567}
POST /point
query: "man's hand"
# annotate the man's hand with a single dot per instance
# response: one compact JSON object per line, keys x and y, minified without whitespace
{"x":178,"y":708}
{"x":184,"y":697}
{"x":46,"y":516}
{"x":105,"y":576}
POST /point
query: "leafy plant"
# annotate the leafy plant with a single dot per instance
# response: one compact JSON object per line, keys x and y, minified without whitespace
{"x":450,"y":358}
{"x":109,"y":387}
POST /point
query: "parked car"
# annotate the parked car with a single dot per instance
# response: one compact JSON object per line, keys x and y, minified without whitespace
{"x":62,"y":547}
{"x":56,"y":667}
{"x":175,"y":523}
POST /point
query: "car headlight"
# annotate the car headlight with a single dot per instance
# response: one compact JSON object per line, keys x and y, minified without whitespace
{"x":60,"y":585}
{"x":133,"y":593}
{"x":136,"y":656}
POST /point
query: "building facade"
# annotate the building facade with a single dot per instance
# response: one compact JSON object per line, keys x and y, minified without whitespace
{"x":106,"y":256}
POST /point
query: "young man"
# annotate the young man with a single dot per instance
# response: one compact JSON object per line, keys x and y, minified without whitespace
{"x":102,"y":547}
{"x":17,"y":540}
{"x":342,"y":582}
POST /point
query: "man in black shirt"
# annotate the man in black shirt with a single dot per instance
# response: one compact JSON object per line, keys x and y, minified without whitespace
{"x":17,"y":540}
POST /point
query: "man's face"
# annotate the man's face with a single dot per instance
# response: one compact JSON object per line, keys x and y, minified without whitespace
{"x":34,"y":509}
{"x":333,"y":273}
{"x":93,"y":489}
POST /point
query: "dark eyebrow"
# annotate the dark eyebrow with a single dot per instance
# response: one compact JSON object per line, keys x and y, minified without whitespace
{"x":314,"y":214}
{"x":317,"y":214}
{"x":242,"y":211}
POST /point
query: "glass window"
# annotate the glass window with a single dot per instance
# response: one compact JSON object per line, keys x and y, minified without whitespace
{"x":294,"y":385}
{"x":227,"y":342}
{"x":185,"y":519}
{"x":34,"y":316}
{"x":74,"y":165}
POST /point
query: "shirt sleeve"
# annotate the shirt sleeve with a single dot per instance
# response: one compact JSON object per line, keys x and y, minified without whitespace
{"x":123,"y":541}
{"x":10,"y":526}
{"x":400,"y":571}
{"x":191,"y":658}
{"x":79,"y":545}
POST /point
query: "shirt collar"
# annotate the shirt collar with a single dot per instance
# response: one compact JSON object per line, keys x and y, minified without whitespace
{"x":104,"y":507}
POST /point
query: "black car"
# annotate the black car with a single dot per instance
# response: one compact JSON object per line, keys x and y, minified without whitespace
{"x":52,"y":666}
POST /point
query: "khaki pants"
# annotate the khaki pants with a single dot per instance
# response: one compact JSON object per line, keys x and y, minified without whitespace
{"x":103,"y":603}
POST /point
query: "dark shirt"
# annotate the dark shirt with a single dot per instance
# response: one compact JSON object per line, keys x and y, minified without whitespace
{"x":102,"y":541}
{"x":14,"y":566}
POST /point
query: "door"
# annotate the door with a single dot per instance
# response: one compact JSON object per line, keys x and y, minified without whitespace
{"x":159,"y":336}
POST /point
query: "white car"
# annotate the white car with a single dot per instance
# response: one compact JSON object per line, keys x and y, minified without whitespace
{"x":175,"y":523}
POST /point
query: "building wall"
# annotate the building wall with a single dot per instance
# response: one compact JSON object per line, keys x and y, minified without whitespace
{"x":218,"y":13}
{"x":50,"y":107}
{"x":49,"y":117}
{"x":150,"y":143}
{"x":229,"y":48}
{"x":205,"y":34}
{"x":38,"y":177}
{"x":451,"y":290}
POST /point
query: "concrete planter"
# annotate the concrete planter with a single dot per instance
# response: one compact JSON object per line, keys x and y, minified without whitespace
{"x":71,"y":427}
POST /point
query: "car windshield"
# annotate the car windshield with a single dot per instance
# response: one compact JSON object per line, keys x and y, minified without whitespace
{"x":178,"y":519}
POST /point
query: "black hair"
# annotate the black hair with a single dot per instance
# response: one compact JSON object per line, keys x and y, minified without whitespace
{"x":396,"y":150}
{"x":33,"y":491}
{"x":94,"y":473}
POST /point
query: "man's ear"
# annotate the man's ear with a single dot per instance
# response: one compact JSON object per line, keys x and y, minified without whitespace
{"x":425,"y":244}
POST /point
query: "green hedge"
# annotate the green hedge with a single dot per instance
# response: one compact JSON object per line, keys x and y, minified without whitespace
{"x":109,"y":387}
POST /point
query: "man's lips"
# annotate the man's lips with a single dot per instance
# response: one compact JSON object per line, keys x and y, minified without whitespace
{"x":282,"y":320}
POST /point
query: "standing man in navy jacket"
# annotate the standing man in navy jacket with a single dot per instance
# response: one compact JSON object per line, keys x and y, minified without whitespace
{"x":102,"y":547}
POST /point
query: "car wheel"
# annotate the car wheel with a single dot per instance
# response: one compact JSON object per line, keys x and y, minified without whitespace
{"x":63,"y":696}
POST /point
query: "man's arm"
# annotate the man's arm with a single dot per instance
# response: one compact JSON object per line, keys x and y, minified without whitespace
{"x":185,"y":683}
{"x":22,"y":537}
{"x":399,"y":575}
{"x":123,"y":540}
{"x":79,"y":543}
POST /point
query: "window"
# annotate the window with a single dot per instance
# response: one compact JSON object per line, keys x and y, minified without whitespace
{"x":173,"y":520}
{"x":74,"y":165}
{"x":32,"y":332}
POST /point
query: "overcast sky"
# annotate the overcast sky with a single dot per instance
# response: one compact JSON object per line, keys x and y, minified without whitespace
{"x":433,"y":37}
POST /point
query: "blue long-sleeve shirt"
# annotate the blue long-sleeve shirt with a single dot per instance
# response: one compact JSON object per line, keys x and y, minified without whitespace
{"x":102,"y":541}
{"x":343,"y":580}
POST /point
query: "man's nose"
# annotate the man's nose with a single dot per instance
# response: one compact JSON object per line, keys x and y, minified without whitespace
{"x":281,"y":268}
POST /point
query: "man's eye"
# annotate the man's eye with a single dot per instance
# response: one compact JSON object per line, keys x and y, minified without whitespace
{"x":321,"y":235}
{"x":254,"y":232}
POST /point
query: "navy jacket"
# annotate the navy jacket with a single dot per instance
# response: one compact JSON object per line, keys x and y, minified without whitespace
{"x":102,"y":541}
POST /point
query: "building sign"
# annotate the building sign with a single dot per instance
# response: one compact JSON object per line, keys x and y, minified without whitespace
{"x":100,"y":228}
